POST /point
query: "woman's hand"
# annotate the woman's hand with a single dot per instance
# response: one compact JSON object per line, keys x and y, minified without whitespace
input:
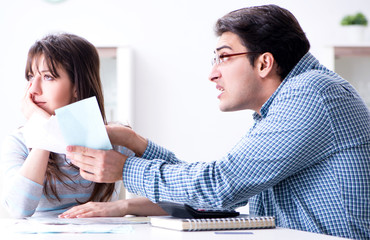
{"x":135,"y":206}
{"x":29,"y":107}
{"x":97,"y":209}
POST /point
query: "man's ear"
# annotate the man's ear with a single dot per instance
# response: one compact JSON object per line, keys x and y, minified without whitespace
{"x":265,"y":64}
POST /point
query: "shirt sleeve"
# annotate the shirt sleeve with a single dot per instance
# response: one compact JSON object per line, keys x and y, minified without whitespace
{"x":20,"y":196}
{"x":154,"y":151}
{"x":294,"y":134}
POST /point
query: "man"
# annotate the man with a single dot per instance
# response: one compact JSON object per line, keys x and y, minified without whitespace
{"x":305,"y":161}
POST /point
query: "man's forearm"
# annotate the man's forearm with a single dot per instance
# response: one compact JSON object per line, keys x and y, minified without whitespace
{"x":125,"y":136}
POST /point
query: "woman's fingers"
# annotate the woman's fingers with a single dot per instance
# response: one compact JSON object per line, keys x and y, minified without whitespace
{"x":95,"y":209}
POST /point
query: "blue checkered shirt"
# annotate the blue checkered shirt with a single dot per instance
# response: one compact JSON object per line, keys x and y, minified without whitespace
{"x":306,"y":160}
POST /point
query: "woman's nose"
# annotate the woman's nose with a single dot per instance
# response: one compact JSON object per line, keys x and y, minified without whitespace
{"x":36,"y":87}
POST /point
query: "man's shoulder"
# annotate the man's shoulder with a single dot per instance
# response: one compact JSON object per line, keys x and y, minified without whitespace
{"x":309,"y":74}
{"x":315,"y":80}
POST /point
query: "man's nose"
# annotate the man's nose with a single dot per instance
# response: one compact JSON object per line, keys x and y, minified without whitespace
{"x":215,"y":73}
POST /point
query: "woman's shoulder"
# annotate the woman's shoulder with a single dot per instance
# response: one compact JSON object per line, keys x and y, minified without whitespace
{"x":17,"y":134}
{"x":14,"y":140}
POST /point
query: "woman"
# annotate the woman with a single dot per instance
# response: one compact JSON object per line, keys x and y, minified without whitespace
{"x":61,"y":69}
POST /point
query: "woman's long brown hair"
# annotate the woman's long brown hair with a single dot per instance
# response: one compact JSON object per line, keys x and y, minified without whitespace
{"x":80,"y":59}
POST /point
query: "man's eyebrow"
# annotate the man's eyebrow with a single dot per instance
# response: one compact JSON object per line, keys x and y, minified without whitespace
{"x":222,"y":47}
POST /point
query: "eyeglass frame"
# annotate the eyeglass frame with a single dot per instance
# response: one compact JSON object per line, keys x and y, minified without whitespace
{"x":217,"y":59}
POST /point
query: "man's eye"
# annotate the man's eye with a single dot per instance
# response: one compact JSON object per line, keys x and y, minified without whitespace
{"x":224,"y":57}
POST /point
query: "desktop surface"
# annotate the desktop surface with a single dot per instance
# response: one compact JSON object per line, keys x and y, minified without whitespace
{"x":147,"y":232}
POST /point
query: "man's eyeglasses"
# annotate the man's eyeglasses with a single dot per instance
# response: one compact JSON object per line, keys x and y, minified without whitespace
{"x":217,"y":59}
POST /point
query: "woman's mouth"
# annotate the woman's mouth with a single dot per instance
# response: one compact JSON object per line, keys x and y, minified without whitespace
{"x":39,"y":103}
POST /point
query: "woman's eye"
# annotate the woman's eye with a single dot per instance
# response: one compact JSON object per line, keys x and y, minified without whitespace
{"x":30,"y":77}
{"x":48,"y":77}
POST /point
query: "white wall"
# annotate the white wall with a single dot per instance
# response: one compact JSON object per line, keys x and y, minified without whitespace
{"x":345,"y":67}
{"x":172,"y":41}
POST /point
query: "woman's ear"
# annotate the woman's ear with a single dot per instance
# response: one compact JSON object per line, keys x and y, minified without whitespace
{"x":75,"y":92}
{"x":265,"y":64}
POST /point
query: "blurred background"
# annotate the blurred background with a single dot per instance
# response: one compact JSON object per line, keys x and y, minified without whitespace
{"x":167,"y":48}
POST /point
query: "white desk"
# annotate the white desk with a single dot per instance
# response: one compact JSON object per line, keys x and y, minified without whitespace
{"x":146,"y":232}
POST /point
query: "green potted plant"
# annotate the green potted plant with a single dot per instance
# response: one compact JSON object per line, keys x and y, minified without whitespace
{"x":356,"y":19}
{"x":355,"y":26}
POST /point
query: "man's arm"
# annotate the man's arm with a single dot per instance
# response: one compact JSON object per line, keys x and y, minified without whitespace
{"x":107,"y":166}
{"x":280,"y":145}
{"x":124,"y":136}
{"x":97,"y":165}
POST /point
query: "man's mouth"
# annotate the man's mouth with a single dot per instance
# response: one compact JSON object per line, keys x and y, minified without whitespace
{"x":219,"y":88}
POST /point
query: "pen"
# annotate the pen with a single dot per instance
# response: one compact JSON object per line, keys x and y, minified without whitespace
{"x":233,"y":232}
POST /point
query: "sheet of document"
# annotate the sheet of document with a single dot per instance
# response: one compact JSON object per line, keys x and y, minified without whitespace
{"x":43,"y":133}
{"x":86,"y":221}
{"x":37,"y":228}
{"x":35,"y":225}
{"x":79,"y":123}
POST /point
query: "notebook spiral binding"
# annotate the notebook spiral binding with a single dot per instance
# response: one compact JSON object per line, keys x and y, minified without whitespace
{"x":224,"y":223}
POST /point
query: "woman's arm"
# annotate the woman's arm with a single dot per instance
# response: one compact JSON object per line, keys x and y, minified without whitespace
{"x":22,"y":176}
{"x":23,"y":170}
{"x":35,"y":165}
{"x":135,"y":206}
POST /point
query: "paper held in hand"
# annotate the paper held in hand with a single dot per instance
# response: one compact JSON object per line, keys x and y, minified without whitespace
{"x":79,"y":123}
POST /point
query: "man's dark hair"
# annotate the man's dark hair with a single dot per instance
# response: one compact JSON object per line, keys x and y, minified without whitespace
{"x":267,"y":28}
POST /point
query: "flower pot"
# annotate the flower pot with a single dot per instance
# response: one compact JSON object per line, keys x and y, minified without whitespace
{"x":354,"y":33}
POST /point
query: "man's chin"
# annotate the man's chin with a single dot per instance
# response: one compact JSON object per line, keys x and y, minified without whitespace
{"x":229,"y":109}
{"x":224,"y":108}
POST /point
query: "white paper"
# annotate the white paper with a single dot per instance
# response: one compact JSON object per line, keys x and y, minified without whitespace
{"x":39,"y":225}
{"x":79,"y":123}
{"x":43,"y":133}
{"x":39,"y":228}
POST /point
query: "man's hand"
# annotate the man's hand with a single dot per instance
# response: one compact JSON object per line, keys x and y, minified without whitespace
{"x":103,"y":166}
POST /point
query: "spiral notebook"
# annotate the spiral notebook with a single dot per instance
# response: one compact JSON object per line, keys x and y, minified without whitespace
{"x":234,"y":223}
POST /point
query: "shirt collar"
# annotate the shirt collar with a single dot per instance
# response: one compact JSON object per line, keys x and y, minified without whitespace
{"x":306,"y":62}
